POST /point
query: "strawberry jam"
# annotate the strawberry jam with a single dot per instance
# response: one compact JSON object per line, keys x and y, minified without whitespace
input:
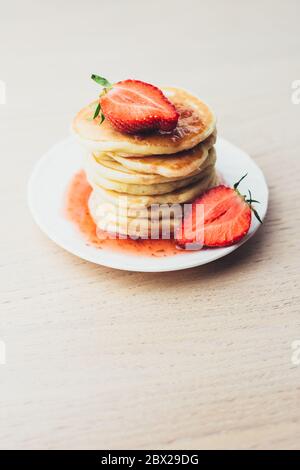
{"x":77,"y":212}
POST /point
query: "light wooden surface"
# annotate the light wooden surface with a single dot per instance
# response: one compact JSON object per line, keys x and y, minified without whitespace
{"x":97,"y":358}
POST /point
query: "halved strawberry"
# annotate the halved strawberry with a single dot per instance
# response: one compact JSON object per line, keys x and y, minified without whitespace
{"x":225,"y":219}
{"x":133,"y":106}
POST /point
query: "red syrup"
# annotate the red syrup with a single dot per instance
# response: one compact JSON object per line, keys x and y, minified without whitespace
{"x":77,"y":212}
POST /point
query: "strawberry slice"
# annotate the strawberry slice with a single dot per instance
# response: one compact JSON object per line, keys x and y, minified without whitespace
{"x":225,"y":219}
{"x":133,"y":106}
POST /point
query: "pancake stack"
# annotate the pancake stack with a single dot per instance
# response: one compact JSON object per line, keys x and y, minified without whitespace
{"x":140,"y":182}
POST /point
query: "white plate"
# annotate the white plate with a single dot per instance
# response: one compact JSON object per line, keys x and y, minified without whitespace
{"x":53,"y":172}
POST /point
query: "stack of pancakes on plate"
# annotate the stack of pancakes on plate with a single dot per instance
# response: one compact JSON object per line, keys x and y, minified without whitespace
{"x":136,"y":178}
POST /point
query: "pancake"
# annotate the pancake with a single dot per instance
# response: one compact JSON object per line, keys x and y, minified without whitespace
{"x":171,"y":166}
{"x":141,"y":189}
{"x":141,"y":212}
{"x":178,"y":196}
{"x":113,"y":170}
{"x":112,"y":221}
{"x":137,"y":229}
{"x":196,"y":122}
{"x":134,"y":227}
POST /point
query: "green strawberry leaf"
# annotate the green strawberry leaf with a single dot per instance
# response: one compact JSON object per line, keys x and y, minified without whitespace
{"x":102,"y":117}
{"x":236,"y":184}
{"x":250,"y":200}
{"x":101,"y":81}
{"x":97,"y":111}
{"x":256,"y":214}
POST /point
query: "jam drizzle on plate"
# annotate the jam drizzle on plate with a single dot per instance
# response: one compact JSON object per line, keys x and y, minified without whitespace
{"x":77,"y":211}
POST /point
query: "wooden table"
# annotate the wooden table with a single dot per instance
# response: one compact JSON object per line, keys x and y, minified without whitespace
{"x":99,"y":358}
